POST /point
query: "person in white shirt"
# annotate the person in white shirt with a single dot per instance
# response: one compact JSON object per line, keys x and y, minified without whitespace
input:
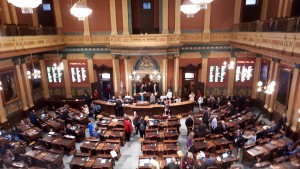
{"x":214,"y":123}
{"x":192,"y":96}
{"x":169,"y":94}
{"x":200,"y":101}
{"x":86,"y":109}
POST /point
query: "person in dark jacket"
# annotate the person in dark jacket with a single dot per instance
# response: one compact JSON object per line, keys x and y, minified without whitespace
{"x":221,"y":128}
{"x":118,"y":108}
{"x":206,"y":116}
{"x":173,"y":164}
{"x":33,"y":118}
{"x":202,"y":130}
{"x":189,"y":122}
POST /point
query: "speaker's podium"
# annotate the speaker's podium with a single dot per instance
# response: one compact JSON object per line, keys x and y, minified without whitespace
{"x":142,"y":103}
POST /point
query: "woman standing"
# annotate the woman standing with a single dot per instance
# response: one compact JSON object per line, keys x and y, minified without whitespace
{"x":200,"y":101}
{"x":190,"y":142}
{"x":128,"y":128}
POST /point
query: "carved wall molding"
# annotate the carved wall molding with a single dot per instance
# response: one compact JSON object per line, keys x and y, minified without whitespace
{"x":98,"y":56}
{"x":80,"y":56}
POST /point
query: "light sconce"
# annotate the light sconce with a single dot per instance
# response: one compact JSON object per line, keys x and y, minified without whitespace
{"x":1,"y":87}
{"x":59,"y":66}
{"x":134,"y":76}
{"x":269,"y":89}
{"x":155,"y":76}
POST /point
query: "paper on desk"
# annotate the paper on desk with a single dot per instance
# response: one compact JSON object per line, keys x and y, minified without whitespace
{"x":113,"y":153}
{"x":103,"y":161}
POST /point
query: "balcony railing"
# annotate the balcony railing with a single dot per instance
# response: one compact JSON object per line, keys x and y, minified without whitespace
{"x":28,"y":31}
{"x":271,"y":25}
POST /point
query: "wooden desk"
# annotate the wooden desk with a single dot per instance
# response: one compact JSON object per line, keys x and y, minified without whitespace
{"x":222,"y":141}
{"x":89,"y":146}
{"x":103,"y":163}
{"x":144,"y":161}
{"x":116,"y":135}
{"x":285,"y":141}
{"x":81,"y":160}
{"x":43,"y":159}
{"x":107,"y":147}
{"x":181,"y":108}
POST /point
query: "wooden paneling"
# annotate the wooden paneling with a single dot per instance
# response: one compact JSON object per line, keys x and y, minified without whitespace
{"x":272,"y":10}
{"x":70,"y":23}
{"x":24,"y":19}
{"x":194,"y":24}
{"x":222,"y":14}
{"x":99,"y":20}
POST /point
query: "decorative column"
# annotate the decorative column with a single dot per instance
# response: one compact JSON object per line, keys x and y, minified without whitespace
{"x":294,"y":91}
{"x":6,"y":12}
{"x":177,"y":17}
{"x":44,"y":78}
{"x":275,"y":78}
{"x":176,"y":74}
{"x":237,"y":11}
{"x":267,"y":101}
{"x":256,"y":76}
{"x":280,"y":6}
{"x":165,"y":25}
{"x":207,"y":19}
{"x":90,"y":67}
{"x":287,"y":8}
{"x":264,"y":9}
{"x":125,"y":17}
{"x":35,"y":21}
{"x":295,"y":114}
{"x":204,"y":70}
{"x":86,"y":26}
{"x":27,"y":86}
{"x":67,"y":76}
{"x":14,"y":14}
{"x":2,"y":111}
{"x":116,"y":74}
{"x":128,"y":70}
{"x":231,"y":76}
{"x":18,"y":62}
{"x":113,"y":17}
{"x":164,"y":75}
{"x":57,"y":13}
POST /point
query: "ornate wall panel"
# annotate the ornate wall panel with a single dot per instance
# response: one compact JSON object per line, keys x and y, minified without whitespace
{"x":13,"y":107}
{"x":216,"y":91}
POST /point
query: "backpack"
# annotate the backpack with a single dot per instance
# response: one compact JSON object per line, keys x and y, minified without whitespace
{"x":142,"y":127}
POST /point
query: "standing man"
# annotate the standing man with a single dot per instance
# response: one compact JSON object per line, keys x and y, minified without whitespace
{"x":128,"y":128}
{"x":96,"y":110}
{"x":118,"y":107}
{"x":33,"y":119}
{"x":189,"y":122}
{"x":206,"y":116}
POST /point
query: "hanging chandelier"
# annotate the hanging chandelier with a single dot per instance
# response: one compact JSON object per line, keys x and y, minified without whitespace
{"x":60,"y":65}
{"x":80,"y":10}
{"x":26,"y":5}
{"x":229,"y":65}
{"x":191,"y":7}
{"x":35,"y":74}
{"x":269,"y":89}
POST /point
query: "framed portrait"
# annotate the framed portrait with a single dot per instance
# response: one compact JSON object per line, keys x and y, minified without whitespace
{"x":284,"y":83}
{"x":9,"y":84}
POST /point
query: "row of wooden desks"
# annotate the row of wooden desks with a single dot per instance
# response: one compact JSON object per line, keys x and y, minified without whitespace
{"x":144,"y":160}
{"x":28,"y":132}
{"x":66,"y":143}
{"x":46,"y":159}
{"x":85,"y":160}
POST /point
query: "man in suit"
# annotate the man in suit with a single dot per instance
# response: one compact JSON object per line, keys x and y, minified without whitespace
{"x":33,"y":119}
{"x":206,"y":116}
{"x":202,"y":129}
{"x":189,"y":122}
{"x":221,"y":129}
{"x":118,"y":107}
{"x":282,"y":120}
